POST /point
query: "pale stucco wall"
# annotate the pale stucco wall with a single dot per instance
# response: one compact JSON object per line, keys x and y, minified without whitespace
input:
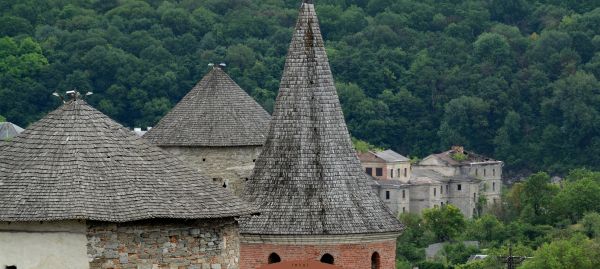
{"x":229,"y":166}
{"x":396,"y":202}
{"x":46,"y":245}
{"x":390,"y":171}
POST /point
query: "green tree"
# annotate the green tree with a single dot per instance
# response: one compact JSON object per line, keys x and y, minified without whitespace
{"x":445,"y":222}
{"x":577,"y":252}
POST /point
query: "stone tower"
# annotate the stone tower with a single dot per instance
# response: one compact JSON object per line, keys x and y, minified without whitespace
{"x":316,"y":202}
{"x":217,"y":128}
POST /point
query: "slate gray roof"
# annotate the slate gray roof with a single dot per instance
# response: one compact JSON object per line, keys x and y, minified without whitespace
{"x":76,"y":163}
{"x":9,"y":130}
{"x":391,"y":156}
{"x":308,"y":180}
{"x":215,"y":113}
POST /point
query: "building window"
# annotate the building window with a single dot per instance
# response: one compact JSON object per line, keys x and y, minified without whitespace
{"x":391,"y":173}
{"x":447,"y":189}
{"x":476,"y":172}
{"x":375,"y":261}
{"x":387,"y":195}
{"x":398,"y":172}
{"x":274,"y":258}
{"x":474,"y":197}
{"x":405,"y":172}
{"x":11,"y":267}
{"x":434,"y":191}
{"x":403,"y":194}
{"x":327,"y":258}
{"x":403,"y":209}
{"x":378,"y":172}
{"x":493,"y":186}
{"x":442,"y":203}
{"x":459,"y":187}
{"x":484,"y":172}
{"x":494,"y":172}
{"x":369,"y":171}
{"x":441,"y":189}
{"x":203,"y":159}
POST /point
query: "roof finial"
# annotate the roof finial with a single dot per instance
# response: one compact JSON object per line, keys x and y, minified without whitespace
{"x":71,"y":95}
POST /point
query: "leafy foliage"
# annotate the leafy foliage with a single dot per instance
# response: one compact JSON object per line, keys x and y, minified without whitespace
{"x":517,"y":80}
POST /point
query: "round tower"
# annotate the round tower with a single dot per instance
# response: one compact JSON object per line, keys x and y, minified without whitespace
{"x":316,"y":202}
{"x":217,"y":128}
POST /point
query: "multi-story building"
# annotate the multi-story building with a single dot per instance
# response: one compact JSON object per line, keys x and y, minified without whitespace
{"x":454,"y":177}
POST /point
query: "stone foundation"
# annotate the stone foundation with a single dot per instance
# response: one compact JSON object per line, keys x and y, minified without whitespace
{"x":158,"y":244}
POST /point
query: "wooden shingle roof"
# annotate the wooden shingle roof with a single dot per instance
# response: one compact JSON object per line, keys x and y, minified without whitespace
{"x":76,"y":163}
{"x":215,"y":113}
{"x":308,"y":180}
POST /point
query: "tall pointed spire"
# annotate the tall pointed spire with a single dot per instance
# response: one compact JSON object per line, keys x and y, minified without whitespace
{"x":308,"y":179}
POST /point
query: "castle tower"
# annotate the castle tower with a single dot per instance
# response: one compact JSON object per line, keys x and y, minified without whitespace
{"x":217,"y":128}
{"x":80,"y":191}
{"x":315,"y":200}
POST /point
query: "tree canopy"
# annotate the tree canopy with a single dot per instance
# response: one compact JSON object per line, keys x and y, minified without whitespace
{"x":516,"y":80}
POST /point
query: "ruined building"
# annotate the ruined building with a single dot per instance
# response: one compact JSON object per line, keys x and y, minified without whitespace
{"x":454,"y":177}
{"x":316,"y":203}
{"x":216,"y":128}
{"x":78,"y":190}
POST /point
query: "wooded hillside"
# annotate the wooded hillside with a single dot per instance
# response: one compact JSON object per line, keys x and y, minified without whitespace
{"x":513,"y":79}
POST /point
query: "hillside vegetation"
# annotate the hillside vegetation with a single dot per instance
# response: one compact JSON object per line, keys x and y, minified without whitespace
{"x":513,"y":79}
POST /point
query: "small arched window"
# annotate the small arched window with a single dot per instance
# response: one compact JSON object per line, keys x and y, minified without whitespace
{"x":327,"y":258}
{"x":375,"y":261}
{"x":274,"y":258}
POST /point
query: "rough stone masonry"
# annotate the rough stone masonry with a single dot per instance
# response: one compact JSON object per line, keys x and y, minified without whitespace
{"x":168,"y":244}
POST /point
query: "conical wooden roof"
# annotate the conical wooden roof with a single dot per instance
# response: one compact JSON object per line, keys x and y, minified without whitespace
{"x":215,"y":113}
{"x":308,"y":179}
{"x":76,"y":163}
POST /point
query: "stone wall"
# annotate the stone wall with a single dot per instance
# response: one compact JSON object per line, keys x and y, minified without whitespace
{"x":158,"y":244}
{"x":346,"y":255}
{"x":227,"y":166}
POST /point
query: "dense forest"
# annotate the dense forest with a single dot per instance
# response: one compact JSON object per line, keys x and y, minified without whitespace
{"x":513,"y":79}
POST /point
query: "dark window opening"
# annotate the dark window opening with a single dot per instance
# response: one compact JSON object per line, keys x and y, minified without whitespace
{"x":459,"y":187}
{"x":493,"y":186}
{"x":387,"y":195}
{"x":441,"y":189}
{"x":253,"y":160}
{"x":447,"y":187}
{"x":224,"y":184}
{"x":494,"y":172}
{"x":484,"y":172}
{"x":204,"y":160}
{"x":327,"y":258}
{"x":403,"y":194}
{"x":375,"y":261}
{"x":434,"y":192}
{"x":369,"y":171}
{"x":246,"y":179}
{"x":403,"y":209}
{"x":398,"y":172}
{"x":11,"y":267}
{"x":274,"y":258}
{"x":391,"y":173}
{"x":378,"y":172}
{"x":405,"y":172}
{"x":476,"y":172}
{"x":474,"y":197}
